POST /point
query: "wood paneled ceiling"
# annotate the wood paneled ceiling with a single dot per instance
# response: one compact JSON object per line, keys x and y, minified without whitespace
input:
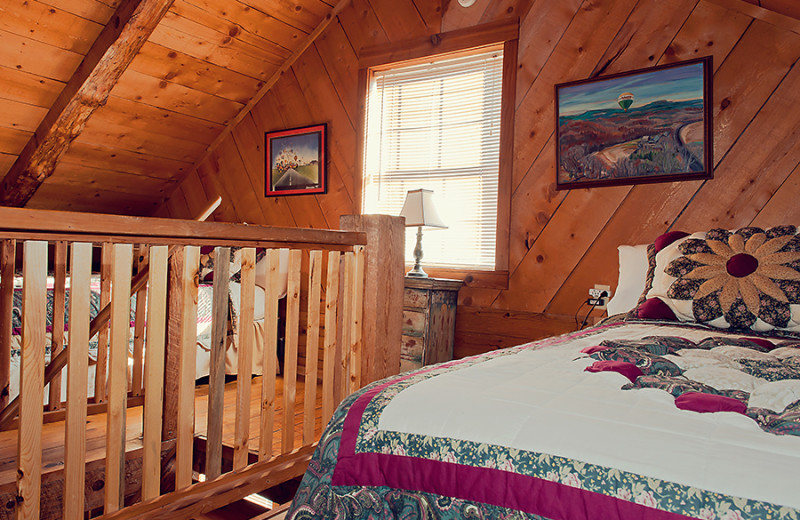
{"x":196,"y":64}
{"x":106,"y":105}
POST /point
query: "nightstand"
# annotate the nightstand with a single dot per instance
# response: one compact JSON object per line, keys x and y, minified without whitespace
{"x":429,"y":321}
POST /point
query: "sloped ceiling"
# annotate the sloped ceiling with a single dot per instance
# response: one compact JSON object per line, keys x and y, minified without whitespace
{"x":76,"y":133}
{"x":196,"y":64}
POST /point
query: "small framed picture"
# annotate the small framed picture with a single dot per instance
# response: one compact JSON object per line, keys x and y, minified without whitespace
{"x":647,"y":125}
{"x":296,"y":161}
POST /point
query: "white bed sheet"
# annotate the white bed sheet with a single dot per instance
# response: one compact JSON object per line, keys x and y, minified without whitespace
{"x":639,"y":431}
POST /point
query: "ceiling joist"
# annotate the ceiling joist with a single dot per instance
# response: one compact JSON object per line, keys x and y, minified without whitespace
{"x":87,"y":90}
{"x":272,"y":80}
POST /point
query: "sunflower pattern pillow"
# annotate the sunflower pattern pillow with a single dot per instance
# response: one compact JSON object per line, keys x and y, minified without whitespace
{"x":743,"y":279}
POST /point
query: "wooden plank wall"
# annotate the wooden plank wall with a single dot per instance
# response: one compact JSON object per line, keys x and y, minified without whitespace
{"x":562,"y":242}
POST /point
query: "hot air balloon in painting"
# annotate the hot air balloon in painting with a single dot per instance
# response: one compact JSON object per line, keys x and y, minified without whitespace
{"x":625,"y":100}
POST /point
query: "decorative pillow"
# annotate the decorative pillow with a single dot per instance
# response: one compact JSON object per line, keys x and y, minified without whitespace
{"x":784,"y":423}
{"x":722,"y":378}
{"x":657,"y":345}
{"x":673,"y":385}
{"x":775,"y":396}
{"x":743,"y":279}
{"x":706,"y":403}
{"x":628,"y":370}
{"x":761,"y":345}
{"x":654,"y":309}
{"x":632,"y":276}
{"x":694,"y":358}
{"x":646,"y":362}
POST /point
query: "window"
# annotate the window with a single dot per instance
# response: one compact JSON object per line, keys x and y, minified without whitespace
{"x":436,"y":125}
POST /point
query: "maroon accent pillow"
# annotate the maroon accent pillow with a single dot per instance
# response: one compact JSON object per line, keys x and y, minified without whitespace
{"x":761,"y":342}
{"x":667,"y":238}
{"x":628,"y":370}
{"x":205,"y":250}
{"x":708,"y":403}
{"x":593,"y":349}
{"x":655,"y":309}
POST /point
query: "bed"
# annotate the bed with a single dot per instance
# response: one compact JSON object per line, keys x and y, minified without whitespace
{"x":204,"y":321}
{"x":686,"y":404}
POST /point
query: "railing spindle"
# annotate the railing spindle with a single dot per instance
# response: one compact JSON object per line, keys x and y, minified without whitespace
{"x":154,"y":372}
{"x":346,"y":324}
{"x":77,"y":380}
{"x":138,"y":328}
{"x":7,"y":260}
{"x":57,"y":334}
{"x":356,"y":289}
{"x":290,"y":350}
{"x":329,"y":349}
{"x":216,"y":376}
{"x":245,"y":358}
{"x":312,"y":344}
{"x":120,"y":322}
{"x":102,"y":334}
{"x":270,"y":352}
{"x":29,"y":441}
{"x":185,"y":424}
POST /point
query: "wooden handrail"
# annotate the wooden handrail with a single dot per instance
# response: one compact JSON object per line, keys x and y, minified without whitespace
{"x":31,"y":222}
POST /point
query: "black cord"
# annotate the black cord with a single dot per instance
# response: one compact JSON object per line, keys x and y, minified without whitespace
{"x":578,"y":310}
{"x":586,"y":318}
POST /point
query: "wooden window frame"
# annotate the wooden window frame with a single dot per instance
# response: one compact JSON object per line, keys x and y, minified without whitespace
{"x":453,"y":43}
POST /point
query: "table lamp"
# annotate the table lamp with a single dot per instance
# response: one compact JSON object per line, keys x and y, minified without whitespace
{"x":419,"y":211}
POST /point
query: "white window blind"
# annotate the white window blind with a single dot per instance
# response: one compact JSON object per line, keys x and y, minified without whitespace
{"x":436,"y":126}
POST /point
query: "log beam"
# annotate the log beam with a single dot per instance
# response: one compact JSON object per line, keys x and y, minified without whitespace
{"x":87,"y":90}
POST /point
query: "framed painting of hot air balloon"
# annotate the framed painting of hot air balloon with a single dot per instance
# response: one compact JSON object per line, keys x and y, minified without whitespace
{"x":296,"y":161}
{"x":647,"y":125}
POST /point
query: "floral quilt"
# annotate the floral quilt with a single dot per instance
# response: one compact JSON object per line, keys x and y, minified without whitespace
{"x":364,"y":470}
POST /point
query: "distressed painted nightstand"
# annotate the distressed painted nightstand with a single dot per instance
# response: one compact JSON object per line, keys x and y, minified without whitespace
{"x":429,"y":321}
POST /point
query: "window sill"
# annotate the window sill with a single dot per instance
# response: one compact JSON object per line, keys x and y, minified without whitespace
{"x":471,"y":278}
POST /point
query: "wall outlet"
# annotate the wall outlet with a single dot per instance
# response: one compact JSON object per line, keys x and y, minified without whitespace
{"x":596,"y":294}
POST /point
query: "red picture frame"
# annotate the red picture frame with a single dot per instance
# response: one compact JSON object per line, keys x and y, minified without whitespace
{"x":296,"y":161}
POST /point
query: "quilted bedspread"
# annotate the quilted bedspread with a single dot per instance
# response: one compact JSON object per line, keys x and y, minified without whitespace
{"x":621,"y":421}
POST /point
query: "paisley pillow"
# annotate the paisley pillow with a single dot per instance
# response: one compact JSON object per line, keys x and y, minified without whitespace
{"x":748,"y":279}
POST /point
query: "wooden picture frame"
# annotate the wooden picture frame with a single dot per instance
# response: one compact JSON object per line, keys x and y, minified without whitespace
{"x":641,"y":126}
{"x":296,"y":161}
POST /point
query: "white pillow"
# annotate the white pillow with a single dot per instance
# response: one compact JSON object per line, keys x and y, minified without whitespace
{"x":283,"y":268}
{"x":632,"y":276}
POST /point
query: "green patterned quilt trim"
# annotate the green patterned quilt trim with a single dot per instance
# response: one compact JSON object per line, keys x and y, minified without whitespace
{"x":664,"y":495}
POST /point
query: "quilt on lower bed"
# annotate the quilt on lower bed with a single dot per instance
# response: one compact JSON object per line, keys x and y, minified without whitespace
{"x":528,"y":432}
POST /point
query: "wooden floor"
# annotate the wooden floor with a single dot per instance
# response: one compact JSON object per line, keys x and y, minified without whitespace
{"x":53,"y":433}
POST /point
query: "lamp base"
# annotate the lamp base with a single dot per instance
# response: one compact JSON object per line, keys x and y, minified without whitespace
{"x":417,"y":272}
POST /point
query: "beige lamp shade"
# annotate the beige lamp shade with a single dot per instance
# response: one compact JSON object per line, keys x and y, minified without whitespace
{"x":418,"y":209}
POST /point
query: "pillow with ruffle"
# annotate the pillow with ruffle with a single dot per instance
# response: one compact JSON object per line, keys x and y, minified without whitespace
{"x":748,"y":279}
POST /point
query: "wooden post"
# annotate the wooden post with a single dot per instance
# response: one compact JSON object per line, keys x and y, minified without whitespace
{"x":384,"y":268}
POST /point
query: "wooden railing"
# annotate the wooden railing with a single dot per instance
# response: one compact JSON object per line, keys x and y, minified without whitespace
{"x":155,"y":471}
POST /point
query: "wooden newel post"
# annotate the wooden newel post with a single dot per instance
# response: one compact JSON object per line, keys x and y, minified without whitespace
{"x":383,"y":292}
